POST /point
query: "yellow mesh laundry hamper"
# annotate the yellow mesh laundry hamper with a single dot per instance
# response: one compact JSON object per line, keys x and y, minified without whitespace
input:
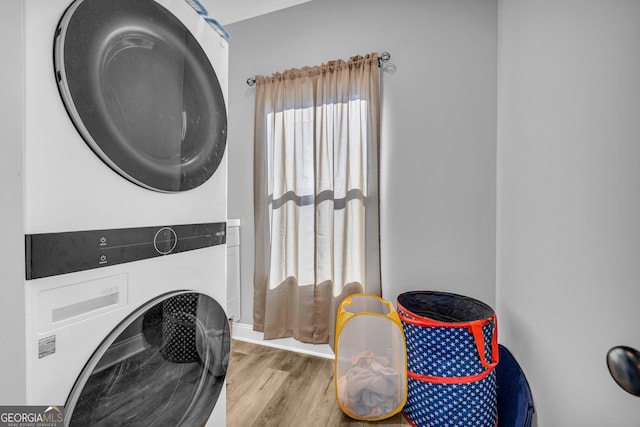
{"x":370,"y":369}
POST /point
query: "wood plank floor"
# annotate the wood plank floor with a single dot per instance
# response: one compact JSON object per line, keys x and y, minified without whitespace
{"x":272,"y":387}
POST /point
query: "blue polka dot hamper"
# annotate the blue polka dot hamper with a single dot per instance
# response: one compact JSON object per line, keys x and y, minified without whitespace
{"x":452,"y":350}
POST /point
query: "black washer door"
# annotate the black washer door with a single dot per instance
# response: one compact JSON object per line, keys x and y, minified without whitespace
{"x":164,"y":365}
{"x":141,"y":92}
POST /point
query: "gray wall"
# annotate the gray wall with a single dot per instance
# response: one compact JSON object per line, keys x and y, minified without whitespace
{"x":568,"y":205}
{"x":569,"y":201}
{"x":13,"y":359}
{"x":438,"y":129}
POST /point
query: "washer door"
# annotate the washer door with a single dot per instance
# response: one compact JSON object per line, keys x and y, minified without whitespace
{"x":164,"y":365}
{"x":141,"y":91}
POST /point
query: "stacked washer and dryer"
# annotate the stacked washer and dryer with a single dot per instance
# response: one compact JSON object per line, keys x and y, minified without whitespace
{"x":113,"y":187}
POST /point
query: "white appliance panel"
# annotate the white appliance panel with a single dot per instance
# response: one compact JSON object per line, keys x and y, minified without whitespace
{"x":76,"y":339}
{"x":62,"y":174}
{"x":65,"y":187}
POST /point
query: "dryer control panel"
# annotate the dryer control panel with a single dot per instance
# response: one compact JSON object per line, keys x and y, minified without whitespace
{"x":52,"y":254}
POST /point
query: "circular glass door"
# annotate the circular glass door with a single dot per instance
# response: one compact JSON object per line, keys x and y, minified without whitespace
{"x":164,"y":365}
{"x":141,"y":92}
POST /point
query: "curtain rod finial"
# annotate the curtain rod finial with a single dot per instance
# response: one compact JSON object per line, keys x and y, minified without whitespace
{"x":251,"y":81}
{"x":383,"y":57}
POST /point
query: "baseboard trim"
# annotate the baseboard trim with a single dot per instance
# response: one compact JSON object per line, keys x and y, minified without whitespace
{"x":244,"y":332}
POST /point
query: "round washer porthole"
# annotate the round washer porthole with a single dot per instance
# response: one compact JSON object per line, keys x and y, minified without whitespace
{"x":164,"y":365}
{"x":141,"y":92}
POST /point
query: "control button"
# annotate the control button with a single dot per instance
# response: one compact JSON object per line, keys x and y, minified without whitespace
{"x":165,"y":240}
{"x":103,"y":259}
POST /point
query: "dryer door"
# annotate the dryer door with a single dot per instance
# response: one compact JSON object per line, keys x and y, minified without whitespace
{"x":164,"y":365}
{"x":141,"y":91}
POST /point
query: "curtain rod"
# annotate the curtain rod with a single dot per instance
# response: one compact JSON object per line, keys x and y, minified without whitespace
{"x":384,"y":57}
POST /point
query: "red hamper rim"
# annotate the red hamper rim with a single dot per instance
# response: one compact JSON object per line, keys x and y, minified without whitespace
{"x":444,"y":307}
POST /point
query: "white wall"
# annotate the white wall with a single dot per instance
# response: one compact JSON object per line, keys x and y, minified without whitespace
{"x":12,"y":309}
{"x":569,"y":201}
{"x":438,"y":129}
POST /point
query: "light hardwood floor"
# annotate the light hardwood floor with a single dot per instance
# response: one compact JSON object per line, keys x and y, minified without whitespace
{"x":272,"y":387}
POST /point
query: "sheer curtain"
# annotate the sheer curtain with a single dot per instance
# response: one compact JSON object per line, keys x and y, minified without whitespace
{"x":315,"y":195}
